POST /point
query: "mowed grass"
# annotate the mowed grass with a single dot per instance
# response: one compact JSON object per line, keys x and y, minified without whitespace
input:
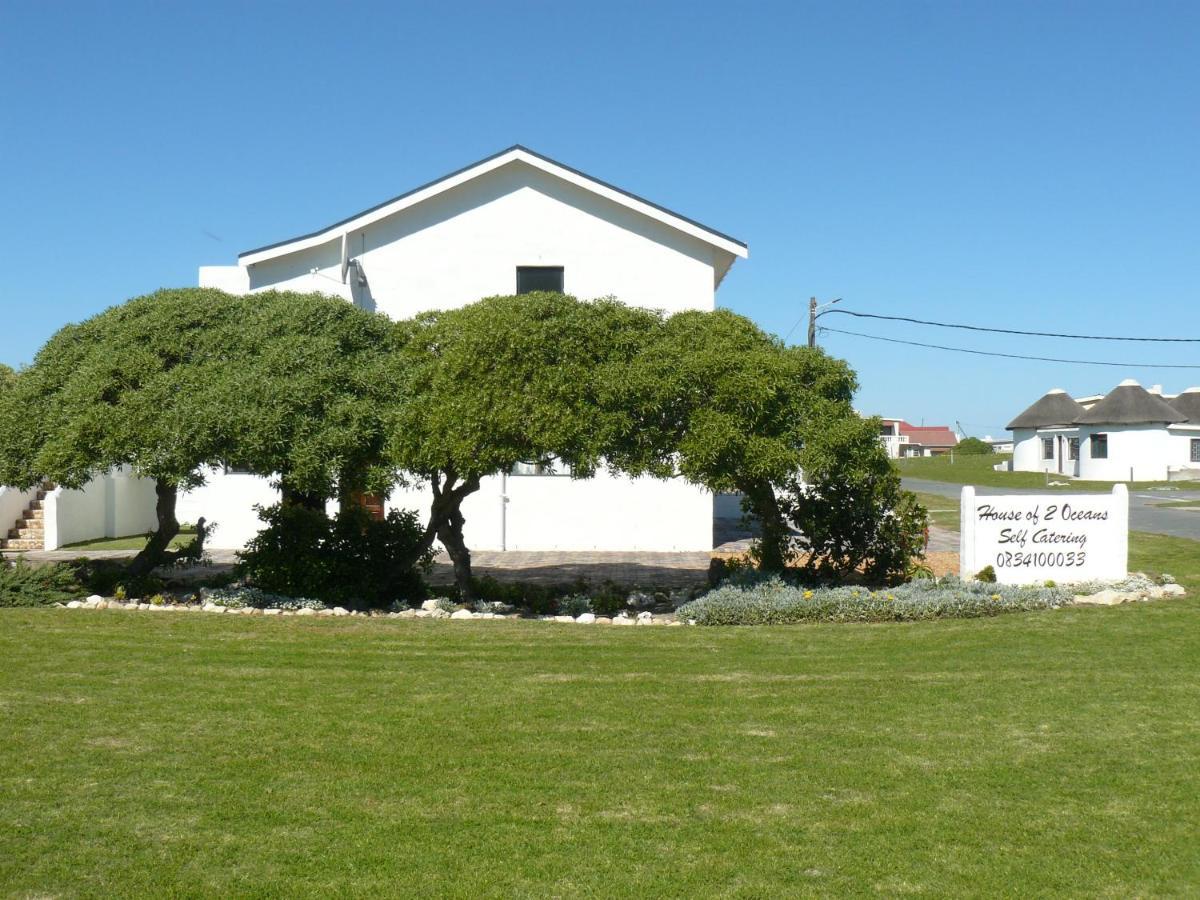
{"x":978,"y":470}
{"x":131,"y":542}
{"x":158,"y":753}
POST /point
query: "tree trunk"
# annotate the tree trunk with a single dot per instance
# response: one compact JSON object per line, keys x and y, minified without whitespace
{"x":446,"y":524}
{"x":451,"y":536}
{"x":774,"y":543}
{"x":154,"y":554}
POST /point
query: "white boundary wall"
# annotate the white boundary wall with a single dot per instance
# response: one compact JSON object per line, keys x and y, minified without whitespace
{"x":114,"y":505}
{"x":1032,"y":538}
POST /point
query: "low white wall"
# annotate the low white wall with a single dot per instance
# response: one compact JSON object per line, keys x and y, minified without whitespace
{"x":76,"y":515}
{"x":114,"y":505}
{"x":13,"y":502}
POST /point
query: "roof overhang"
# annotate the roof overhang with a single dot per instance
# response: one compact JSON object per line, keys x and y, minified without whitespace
{"x":505,"y":157}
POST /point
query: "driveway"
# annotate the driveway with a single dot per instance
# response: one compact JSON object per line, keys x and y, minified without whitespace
{"x":1144,"y":514}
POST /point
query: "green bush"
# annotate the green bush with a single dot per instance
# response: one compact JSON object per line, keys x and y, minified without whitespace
{"x":24,"y":585}
{"x":850,"y":513}
{"x":775,"y":602}
{"x":540,"y":599}
{"x":972,"y":446}
{"x":575,"y":605}
{"x":348,"y":560}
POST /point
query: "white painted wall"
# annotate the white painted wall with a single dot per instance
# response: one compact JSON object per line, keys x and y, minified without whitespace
{"x":13,"y":503}
{"x":1139,"y":451}
{"x":466,"y":244}
{"x":115,"y":505}
{"x":227,"y":502}
{"x":1027,"y":452}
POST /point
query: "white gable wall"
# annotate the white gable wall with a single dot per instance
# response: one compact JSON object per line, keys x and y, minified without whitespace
{"x":466,"y":244}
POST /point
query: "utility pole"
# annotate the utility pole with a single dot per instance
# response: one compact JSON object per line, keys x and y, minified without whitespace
{"x":812,"y":321}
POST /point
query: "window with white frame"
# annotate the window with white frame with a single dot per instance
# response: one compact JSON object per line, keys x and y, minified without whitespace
{"x":1072,"y":448}
{"x":1047,"y":448}
{"x":1099,"y":444}
{"x":1195,"y":449}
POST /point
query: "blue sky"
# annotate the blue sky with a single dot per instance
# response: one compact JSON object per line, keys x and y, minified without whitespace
{"x":1018,"y":165}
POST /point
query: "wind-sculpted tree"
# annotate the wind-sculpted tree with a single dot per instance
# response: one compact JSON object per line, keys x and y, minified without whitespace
{"x":729,"y":407}
{"x":503,"y":381}
{"x":169,"y":384}
{"x":124,"y":388}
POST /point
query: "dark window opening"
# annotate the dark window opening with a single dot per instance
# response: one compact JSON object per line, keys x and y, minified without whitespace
{"x":1047,"y":448}
{"x":1073,"y":448}
{"x":1195,"y":449}
{"x":539,"y":278}
{"x":1099,"y":446}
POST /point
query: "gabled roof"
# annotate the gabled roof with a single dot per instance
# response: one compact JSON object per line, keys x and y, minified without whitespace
{"x":1188,"y":404}
{"x":929,"y":435}
{"x":1130,"y":404}
{"x":516,"y":153}
{"x":1055,"y":408}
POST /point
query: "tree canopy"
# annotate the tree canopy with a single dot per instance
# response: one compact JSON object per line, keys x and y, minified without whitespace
{"x":182,"y":379}
{"x":729,"y":406}
{"x":505,"y":380}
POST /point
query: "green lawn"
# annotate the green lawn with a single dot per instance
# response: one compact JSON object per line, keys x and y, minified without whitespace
{"x":158,"y":753}
{"x":943,"y":511}
{"x":131,"y":542}
{"x":978,"y":470}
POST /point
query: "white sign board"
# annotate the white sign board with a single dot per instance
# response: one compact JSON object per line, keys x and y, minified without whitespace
{"x":1032,"y":538}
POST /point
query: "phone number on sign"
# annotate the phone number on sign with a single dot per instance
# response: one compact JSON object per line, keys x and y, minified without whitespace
{"x":1040,"y":560}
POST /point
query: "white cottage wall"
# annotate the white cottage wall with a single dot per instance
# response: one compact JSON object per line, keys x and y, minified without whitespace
{"x":1140,"y":450}
{"x":1027,"y":452}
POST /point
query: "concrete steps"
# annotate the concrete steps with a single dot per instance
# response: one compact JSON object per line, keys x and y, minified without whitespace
{"x":29,"y":531}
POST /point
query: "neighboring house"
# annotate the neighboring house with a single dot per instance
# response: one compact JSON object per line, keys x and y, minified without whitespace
{"x":928,"y":440}
{"x":903,"y":440}
{"x":1129,"y":434}
{"x":512,"y":223}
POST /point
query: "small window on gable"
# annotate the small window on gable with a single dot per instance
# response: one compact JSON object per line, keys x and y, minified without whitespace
{"x":1099,"y":444}
{"x":1195,"y":449}
{"x":1047,"y":448}
{"x":539,"y":278}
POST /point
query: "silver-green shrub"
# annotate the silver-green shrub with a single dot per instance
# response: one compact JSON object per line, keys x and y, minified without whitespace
{"x":254,"y":598}
{"x":775,"y":602}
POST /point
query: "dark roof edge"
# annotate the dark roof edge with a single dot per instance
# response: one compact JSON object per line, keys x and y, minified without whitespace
{"x":488,"y":159}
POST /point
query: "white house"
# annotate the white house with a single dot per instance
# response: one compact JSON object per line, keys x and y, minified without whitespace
{"x":514,"y":222}
{"x":1130,"y":434}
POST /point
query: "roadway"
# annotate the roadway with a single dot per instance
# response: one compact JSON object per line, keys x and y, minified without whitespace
{"x":1144,"y":514}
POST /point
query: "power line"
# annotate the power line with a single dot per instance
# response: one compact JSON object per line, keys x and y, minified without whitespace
{"x":1080,"y":362}
{"x":1054,"y":334}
